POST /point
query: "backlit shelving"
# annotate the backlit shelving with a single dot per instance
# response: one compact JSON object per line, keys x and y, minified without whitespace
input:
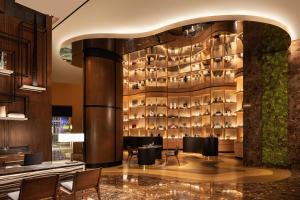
{"x":191,"y":90}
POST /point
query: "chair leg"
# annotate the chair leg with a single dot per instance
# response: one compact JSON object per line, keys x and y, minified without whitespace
{"x":166,"y":160}
{"x":177,"y":160}
{"x":83,"y":194}
{"x":59,"y":194}
{"x":130,"y":157}
{"x":56,"y":197}
{"x":98,"y":193}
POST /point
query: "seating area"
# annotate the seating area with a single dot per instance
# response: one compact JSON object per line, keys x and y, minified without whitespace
{"x":47,"y":187}
{"x":151,"y":100}
{"x":147,"y":154}
{"x":51,"y":187}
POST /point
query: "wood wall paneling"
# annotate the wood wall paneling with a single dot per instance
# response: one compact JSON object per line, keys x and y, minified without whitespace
{"x":16,"y":36}
{"x":65,"y":94}
{"x":2,"y":5}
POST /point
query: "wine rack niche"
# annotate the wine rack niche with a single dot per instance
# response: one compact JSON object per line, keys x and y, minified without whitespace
{"x":182,"y":91}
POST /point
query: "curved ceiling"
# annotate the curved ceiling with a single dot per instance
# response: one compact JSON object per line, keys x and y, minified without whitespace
{"x":138,"y":18}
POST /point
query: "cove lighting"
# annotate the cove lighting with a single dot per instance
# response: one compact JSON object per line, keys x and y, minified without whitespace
{"x":143,"y":31}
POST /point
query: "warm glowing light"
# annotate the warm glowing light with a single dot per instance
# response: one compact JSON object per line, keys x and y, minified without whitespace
{"x":120,"y":32}
{"x":71,"y":137}
{"x":32,"y":88}
{"x":6,"y":72}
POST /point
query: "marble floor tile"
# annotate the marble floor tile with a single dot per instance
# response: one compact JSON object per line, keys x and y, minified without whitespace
{"x":197,"y":178}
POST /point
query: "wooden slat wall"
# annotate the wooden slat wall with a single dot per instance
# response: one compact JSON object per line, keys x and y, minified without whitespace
{"x":36,"y":132}
{"x":2,"y":5}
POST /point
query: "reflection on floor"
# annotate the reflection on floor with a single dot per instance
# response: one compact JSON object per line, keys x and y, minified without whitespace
{"x":195,"y":167}
{"x":197,"y":178}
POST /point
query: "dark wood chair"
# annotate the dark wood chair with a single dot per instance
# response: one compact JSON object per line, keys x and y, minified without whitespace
{"x":82,"y":181}
{"x":131,"y":152}
{"x":174,"y":153}
{"x":37,"y":188}
{"x":2,"y":163}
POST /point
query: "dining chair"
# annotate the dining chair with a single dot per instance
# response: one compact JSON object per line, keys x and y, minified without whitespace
{"x":37,"y":188}
{"x":131,"y":152}
{"x":174,"y":153}
{"x":82,"y":181}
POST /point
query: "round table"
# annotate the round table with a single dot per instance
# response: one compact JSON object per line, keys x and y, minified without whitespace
{"x":148,"y":154}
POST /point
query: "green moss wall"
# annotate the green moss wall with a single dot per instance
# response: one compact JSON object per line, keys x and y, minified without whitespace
{"x":275,"y":109}
{"x":274,"y":59}
{"x":266,"y":90}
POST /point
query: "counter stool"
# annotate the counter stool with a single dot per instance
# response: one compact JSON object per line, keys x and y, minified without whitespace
{"x":82,"y":181}
{"x":37,"y":188}
{"x":174,"y":153}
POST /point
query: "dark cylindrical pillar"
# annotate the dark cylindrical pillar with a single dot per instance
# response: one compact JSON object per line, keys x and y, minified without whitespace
{"x":103,"y":93}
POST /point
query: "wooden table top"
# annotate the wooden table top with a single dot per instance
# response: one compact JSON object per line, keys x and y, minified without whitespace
{"x":9,"y":170}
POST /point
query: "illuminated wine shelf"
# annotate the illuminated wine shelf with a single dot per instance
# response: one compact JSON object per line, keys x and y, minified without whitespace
{"x":192,"y":90}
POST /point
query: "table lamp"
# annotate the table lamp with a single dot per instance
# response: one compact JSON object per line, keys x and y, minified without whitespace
{"x":71,"y":137}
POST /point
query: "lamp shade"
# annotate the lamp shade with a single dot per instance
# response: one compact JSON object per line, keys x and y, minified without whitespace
{"x":71,"y":137}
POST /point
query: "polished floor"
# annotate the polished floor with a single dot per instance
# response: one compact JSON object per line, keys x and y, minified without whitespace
{"x":197,"y":178}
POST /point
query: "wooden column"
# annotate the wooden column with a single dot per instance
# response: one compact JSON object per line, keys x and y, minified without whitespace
{"x":103,"y":93}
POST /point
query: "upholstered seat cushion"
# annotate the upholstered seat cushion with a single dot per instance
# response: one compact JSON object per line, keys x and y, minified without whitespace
{"x":14,"y":195}
{"x":170,"y":153}
{"x":134,"y":152}
{"x":67,"y":185}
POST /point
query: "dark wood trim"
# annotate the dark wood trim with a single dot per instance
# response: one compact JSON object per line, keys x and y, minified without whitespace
{"x":109,"y":164}
{"x":102,"y":53}
{"x":2,"y":6}
{"x":102,"y":106}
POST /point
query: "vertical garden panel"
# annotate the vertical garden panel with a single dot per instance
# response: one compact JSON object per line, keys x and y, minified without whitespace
{"x":274,"y":109}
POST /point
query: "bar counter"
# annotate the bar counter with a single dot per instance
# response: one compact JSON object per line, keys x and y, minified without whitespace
{"x":11,"y":177}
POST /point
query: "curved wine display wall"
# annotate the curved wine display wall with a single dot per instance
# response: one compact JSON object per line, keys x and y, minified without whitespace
{"x":187,"y":87}
{"x":227,"y":79}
